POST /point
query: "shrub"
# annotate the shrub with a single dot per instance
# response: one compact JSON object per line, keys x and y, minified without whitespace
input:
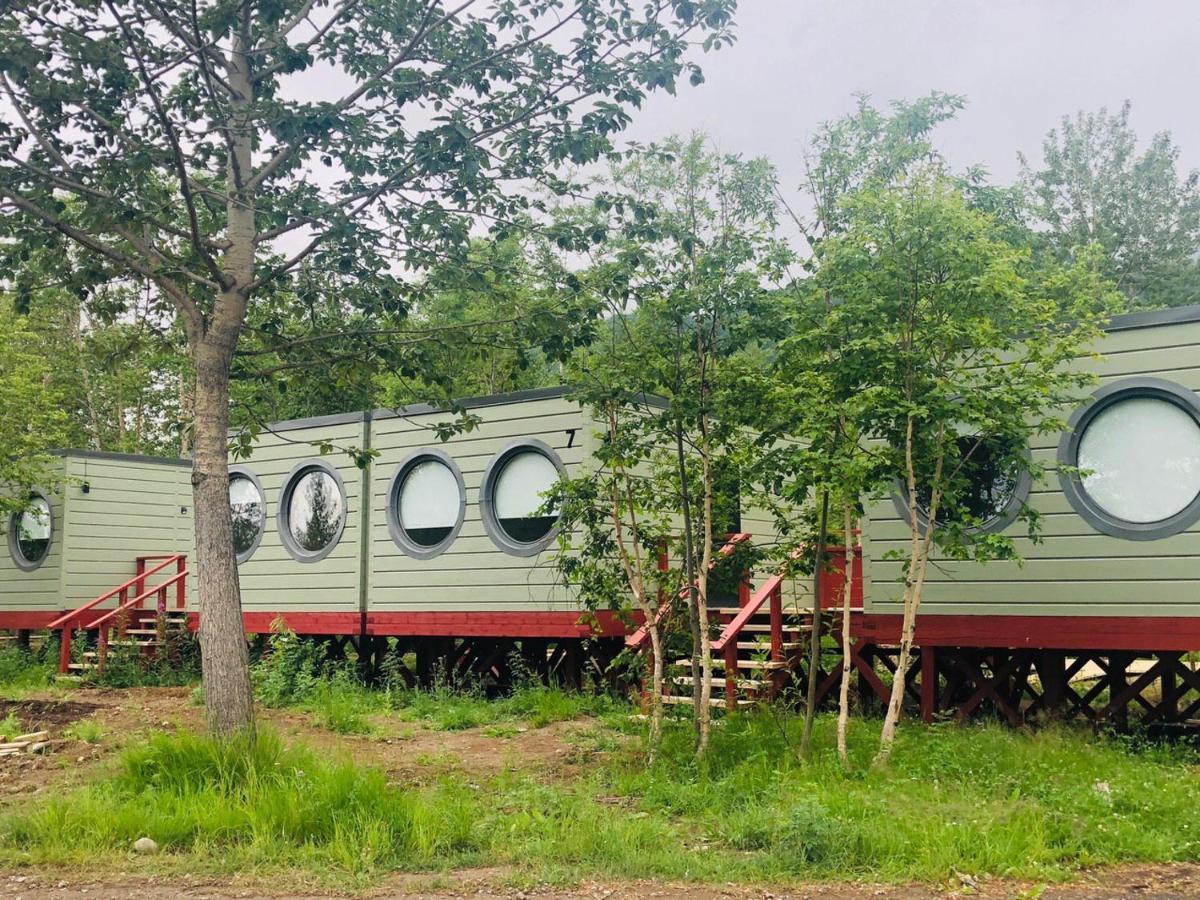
{"x":290,"y":671}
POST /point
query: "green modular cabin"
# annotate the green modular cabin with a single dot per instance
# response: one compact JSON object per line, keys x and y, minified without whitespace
{"x":84,"y":530}
{"x":1123,"y":540}
{"x":445,"y":538}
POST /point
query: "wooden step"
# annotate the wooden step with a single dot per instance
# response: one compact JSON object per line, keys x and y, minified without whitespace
{"x":748,"y":683}
{"x":742,"y":663}
{"x":719,"y":702}
{"x":766,"y":646}
{"x":763,"y":626}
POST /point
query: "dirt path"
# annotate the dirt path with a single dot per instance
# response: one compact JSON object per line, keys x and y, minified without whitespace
{"x":1141,"y":881}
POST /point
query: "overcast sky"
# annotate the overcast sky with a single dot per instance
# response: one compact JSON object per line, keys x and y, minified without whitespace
{"x":1021,"y":64}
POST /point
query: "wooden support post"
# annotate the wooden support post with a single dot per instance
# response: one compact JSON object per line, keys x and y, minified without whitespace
{"x":102,"y":648}
{"x":140,"y":585}
{"x":1169,"y":687}
{"x":1118,"y":680}
{"x":1052,"y":673}
{"x":572,"y":663}
{"x":64,"y":649}
{"x":23,"y":638}
{"x":928,"y":684}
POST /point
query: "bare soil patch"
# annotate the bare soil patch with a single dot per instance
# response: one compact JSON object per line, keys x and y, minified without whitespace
{"x":408,"y":752}
{"x":46,"y":714}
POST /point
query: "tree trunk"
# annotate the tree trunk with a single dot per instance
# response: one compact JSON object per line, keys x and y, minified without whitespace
{"x":689,"y":573}
{"x":814,"y":647}
{"x":656,"y":681}
{"x":843,"y":724}
{"x":914,"y":583}
{"x":702,"y":580}
{"x":225,"y":664}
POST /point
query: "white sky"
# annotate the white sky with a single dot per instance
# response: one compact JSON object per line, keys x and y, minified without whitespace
{"x":1022,"y":65}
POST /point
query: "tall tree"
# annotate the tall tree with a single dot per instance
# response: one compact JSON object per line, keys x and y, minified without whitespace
{"x":960,"y":351}
{"x":217,"y":147}
{"x":687,"y":281}
{"x":1094,"y":186}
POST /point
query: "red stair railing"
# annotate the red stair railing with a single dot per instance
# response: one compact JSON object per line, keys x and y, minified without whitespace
{"x":638,"y":639}
{"x":73,"y":621}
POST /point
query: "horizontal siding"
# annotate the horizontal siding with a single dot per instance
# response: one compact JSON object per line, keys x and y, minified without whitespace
{"x":271,"y":580}
{"x":132,"y":508}
{"x":472,"y":574}
{"x":1074,"y":569}
{"x":41,"y":589}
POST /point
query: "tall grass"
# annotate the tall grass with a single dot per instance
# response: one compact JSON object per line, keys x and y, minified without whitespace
{"x":24,"y":670}
{"x":983,"y":800}
{"x":252,"y":803}
{"x":295,"y":672}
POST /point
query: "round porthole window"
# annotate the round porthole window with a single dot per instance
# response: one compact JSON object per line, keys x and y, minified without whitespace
{"x":988,"y":490}
{"x":30,"y":532}
{"x":1136,"y":447}
{"x":512,"y":497}
{"x":248,"y":508}
{"x":312,"y":510}
{"x":426,"y":503}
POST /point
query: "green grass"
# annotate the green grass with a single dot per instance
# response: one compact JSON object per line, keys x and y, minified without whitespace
{"x":10,"y":727}
{"x":982,"y":799}
{"x":447,"y":709}
{"x":87,"y":731}
{"x":257,"y":805}
{"x":22,"y":671}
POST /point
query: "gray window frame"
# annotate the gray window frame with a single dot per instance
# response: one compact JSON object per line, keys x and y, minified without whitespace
{"x":243,"y":472}
{"x":282,"y":523}
{"x":994,"y":525}
{"x":1131,"y":388}
{"x":487,"y":511}
{"x":14,"y":548}
{"x":408,"y":546}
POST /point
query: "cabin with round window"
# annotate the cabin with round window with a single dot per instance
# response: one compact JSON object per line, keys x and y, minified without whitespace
{"x":81,"y":532}
{"x":1120,"y":516}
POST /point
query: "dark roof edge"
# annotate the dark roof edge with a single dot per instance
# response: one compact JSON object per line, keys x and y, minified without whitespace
{"x":121,"y":457}
{"x":311,"y":422}
{"x":419,"y":409}
{"x":526,"y":396}
{"x":1148,"y":318}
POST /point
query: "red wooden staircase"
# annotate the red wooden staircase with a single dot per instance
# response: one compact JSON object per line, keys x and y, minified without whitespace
{"x":761,"y":646}
{"x":131,"y":623}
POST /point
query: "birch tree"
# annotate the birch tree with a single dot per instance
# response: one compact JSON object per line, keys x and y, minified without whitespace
{"x":965,"y":347}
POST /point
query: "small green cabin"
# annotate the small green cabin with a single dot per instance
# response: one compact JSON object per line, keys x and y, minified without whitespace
{"x":85,"y":527}
{"x":1123,"y":540}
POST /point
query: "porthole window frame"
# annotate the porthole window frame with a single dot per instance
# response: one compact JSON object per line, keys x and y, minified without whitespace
{"x":243,"y":472}
{"x":282,"y":512}
{"x":993,"y":525}
{"x":14,"y":547}
{"x":1131,"y":388}
{"x":487,"y":509}
{"x":408,"y":546}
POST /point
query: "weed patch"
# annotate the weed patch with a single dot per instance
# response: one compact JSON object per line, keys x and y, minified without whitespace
{"x":253,"y":804}
{"x":24,"y":670}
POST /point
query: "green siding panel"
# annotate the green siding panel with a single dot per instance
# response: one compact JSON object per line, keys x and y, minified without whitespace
{"x":41,"y":589}
{"x":472,"y":574}
{"x":272,"y":580}
{"x":1074,"y":569}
